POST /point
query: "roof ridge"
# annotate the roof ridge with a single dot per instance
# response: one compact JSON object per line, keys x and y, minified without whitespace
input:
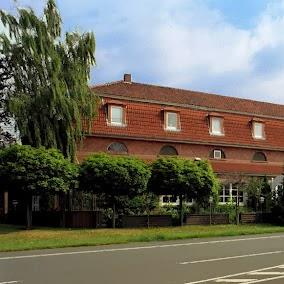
{"x":106,"y":84}
{"x":193,"y":91}
{"x":206,"y":93}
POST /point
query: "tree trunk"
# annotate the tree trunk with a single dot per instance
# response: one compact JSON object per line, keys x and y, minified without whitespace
{"x":181,"y":209}
{"x":29,"y":216}
{"x":237,"y":208}
{"x":113,"y":214}
{"x":148,"y":216}
{"x":62,"y":208}
{"x":148,"y":210}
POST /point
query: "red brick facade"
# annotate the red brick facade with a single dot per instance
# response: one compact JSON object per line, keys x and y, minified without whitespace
{"x":144,"y":133}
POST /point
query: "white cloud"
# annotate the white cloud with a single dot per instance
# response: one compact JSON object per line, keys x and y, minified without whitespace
{"x":184,"y":43}
{"x":187,"y":53}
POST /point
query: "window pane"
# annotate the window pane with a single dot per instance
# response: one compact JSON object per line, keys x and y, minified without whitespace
{"x":173,"y":199}
{"x":234,"y":192}
{"x":227,"y":192}
{"x":217,"y":125}
{"x":116,"y":115}
{"x":259,"y":156}
{"x":258,"y":130}
{"x":166,"y":199}
{"x":171,"y":120}
{"x":117,"y":148}
{"x":168,"y":150}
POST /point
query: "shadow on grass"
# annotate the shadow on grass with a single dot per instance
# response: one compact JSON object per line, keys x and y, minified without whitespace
{"x":6,"y":229}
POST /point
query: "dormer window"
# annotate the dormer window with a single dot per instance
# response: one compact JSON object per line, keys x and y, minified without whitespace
{"x":172,"y":121}
{"x":258,"y":130}
{"x":217,"y":126}
{"x":116,"y":115}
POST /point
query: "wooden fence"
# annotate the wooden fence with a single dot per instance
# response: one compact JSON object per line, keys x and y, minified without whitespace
{"x":95,"y":219}
{"x":84,"y":219}
{"x":142,"y":221}
{"x":204,"y":219}
{"x":73,"y":219}
{"x":252,"y":218}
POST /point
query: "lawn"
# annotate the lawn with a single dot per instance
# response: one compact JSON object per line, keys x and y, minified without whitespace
{"x":13,"y":238}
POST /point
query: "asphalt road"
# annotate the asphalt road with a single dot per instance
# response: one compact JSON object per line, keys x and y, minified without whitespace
{"x":249,"y":259}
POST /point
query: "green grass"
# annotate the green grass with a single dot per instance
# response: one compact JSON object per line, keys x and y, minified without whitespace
{"x":13,"y":238}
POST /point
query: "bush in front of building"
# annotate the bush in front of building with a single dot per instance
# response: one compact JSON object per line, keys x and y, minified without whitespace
{"x":277,"y":209}
{"x":114,"y":176}
{"x":255,"y":188}
{"x":29,"y":171}
{"x":184,"y":178}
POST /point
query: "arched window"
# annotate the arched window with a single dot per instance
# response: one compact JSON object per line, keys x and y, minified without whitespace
{"x":259,"y":156}
{"x":117,"y":148}
{"x":168,"y":151}
{"x":217,"y":154}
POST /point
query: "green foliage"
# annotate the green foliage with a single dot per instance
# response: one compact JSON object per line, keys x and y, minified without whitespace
{"x":174,"y":212}
{"x":35,"y":171}
{"x":114,"y":175}
{"x":255,"y":188}
{"x":137,"y":205}
{"x":230,"y":208}
{"x":191,"y":179}
{"x":278,"y":205}
{"x":166,"y":176}
{"x":207,"y":184}
{"x":5,"y":76}
{"x":50,"y":97}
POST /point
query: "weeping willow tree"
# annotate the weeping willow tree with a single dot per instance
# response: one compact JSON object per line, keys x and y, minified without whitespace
{"x":6,"y":138}
{"x":50,"y":98}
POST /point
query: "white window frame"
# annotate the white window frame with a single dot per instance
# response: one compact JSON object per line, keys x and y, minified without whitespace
{"x":172,"y":128}
{"x":221,"y":119}
{"x":223,"y":196}
{"x":35,"y":203}
{"x":262,"y":137}
{"x":115,"y":123}
{"x":219,"y":156}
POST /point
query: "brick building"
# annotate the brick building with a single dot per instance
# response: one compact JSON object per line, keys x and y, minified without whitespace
{"x":239,"y":137}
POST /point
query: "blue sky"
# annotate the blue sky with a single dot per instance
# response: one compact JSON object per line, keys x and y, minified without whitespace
{"x":227,"y":47}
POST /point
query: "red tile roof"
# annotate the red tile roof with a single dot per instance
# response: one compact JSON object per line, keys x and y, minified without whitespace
{"x":167,"y":95}
{"x":247,"y":168}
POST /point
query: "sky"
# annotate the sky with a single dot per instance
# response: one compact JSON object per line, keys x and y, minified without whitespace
{"x":228,"y":47}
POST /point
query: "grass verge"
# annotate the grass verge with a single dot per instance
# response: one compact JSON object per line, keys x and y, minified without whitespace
{"x":13,"y":238}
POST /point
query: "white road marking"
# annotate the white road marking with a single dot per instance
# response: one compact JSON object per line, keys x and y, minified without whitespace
{"x":265,"y":280}
{"x":267,"y":273}
{"x":237,"y":274}
{"x":232,"y":257}
{"x":139,"y":248}
{"x":235,"y":280}
{"x":11,"y":282}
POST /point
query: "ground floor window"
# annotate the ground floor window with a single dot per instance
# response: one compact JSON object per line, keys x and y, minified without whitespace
{"x":230,"y":192}
{"x":173,"y":200}
{"x":35,"y":203}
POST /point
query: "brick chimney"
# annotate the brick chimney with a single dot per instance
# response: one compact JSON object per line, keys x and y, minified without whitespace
{"x":127,"y":78}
